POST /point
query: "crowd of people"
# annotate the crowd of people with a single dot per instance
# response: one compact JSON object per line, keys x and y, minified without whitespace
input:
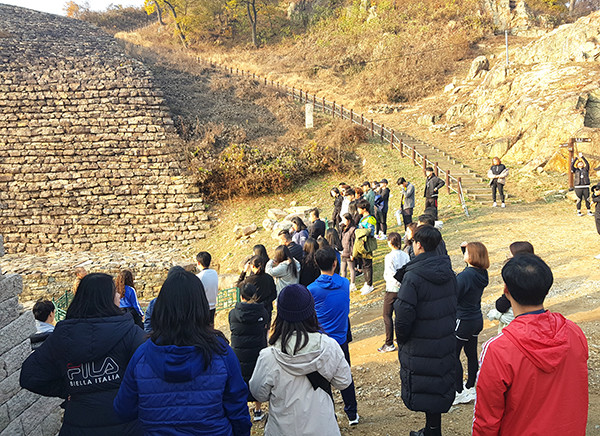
{"x":169,"y":371}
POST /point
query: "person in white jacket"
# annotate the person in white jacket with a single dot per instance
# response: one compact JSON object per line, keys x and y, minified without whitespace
{"x":284,"y":269}
{"x":296,"y":372}
{"x":394,"y":260}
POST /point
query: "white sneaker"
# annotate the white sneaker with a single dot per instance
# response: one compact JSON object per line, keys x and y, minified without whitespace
{"x":465,"y":397}
{"x":495,"y":204}
{"x":579,"y":213}
{"x":353,"y":287}
{"x":354,"y":421}
{"x":503,"y":205}
{"x":366,"y":290}
{"x":597,"y":257}
{"x":590,"y":213}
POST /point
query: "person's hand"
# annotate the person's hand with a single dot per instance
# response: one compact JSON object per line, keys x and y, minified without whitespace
{"x":580,"y":154}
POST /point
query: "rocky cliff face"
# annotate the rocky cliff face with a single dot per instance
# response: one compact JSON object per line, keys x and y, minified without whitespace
{"x":550,"y":93}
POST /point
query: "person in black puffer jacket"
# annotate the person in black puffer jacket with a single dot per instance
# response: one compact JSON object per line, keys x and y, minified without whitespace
{"x":425,"y":322}
{"x":84,"y":360}
{"x":248,"y":325}
{"x":581,"y":178}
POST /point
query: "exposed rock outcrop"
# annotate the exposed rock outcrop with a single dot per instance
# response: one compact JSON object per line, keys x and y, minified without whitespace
{"x":550,"y":92}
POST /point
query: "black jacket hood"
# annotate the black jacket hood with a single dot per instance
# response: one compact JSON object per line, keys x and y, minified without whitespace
{"x":432,"y":267}
{"x":89,"y":339}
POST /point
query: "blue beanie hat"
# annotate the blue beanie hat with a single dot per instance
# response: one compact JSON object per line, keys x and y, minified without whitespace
{"x":295,"y":303}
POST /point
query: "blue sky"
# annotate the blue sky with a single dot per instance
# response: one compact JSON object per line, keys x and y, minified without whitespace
{"x":56,"y":6}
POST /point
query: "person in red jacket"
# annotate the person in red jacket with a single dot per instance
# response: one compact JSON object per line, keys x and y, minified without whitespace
{"x":533,"y":377}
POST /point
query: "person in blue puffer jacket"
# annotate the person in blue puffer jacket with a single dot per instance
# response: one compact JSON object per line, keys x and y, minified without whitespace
{"x":186,"y":379}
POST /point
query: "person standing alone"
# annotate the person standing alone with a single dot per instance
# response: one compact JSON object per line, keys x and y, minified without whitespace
{"x":581,"y":170}
{"x":497,"y":175}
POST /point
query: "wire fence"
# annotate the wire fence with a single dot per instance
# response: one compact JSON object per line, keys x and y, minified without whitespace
{"x":385,"y":134}
{"x":226,"y":299}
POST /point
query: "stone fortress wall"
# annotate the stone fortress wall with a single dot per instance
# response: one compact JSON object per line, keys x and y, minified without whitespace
{"x":89,"y":158}
{"x":21,"y":412}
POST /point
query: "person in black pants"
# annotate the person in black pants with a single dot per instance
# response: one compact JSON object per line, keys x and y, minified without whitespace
{"x":384,"y":191}
{"x":470,"y":284}
{"x":497,"y":175}
{"x":581,"y":170}
{"x":432,"y":186}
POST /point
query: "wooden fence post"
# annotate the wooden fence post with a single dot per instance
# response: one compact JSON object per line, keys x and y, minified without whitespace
{"x":314,"y":100}
{"x":323,"y":104}
{"x":362,"y":120}
{"x":342,"y":111}
{"x":448,"y":180}
{"x":460,"y":193}
{"x":351,"y":115}
{"x":293,"y":93}
{"x":300,"y":95}
{"x":333,"y":109}
{"x":382,"y":134}
{"x":436,"y":169}
{"x":424,"y":163}
{"x":372,"y":131}
{"x":392,"y":141}
{"x":414,"y":154}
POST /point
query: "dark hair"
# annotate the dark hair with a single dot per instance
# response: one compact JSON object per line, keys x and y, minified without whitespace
{"x":181,"y":317}
{"x":322,"y":242}
{"x":95,"y":298}
{"x":426,"y":219}
{"x":521,"y":247}
{"x":428,"y":236}
{"x":299,"y":223}
{"x":336,"y":190}
{"x":124,"y":278}
{"x":286,"y":235}
{"x":175,"y":269}
{"x":311,"y":246}
{"x":282,"y":253}
{"x":366,"y":184}
{"x":248,"y":292}
{"x":285,"y":330}
{"x":348,"y":217}
{"x":315,"y":212}
{"x":528,"y":279}
{"x":260,"y":250}
{"x":325,"y":258}
{"x":363,"y":204}
{"x":401,"y":180}
{"x":350,"y":191}
{"x":429,"y":169}
{"x":358,"y":191}
{"x":259,"y":263}
{"x":204,"y":258}
{"x":395,"y":240}
{"x":332,"y":236}
{"x":42,"y":309}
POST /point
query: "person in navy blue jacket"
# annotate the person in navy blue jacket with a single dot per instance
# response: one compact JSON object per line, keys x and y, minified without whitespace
{"x":186,"y":378}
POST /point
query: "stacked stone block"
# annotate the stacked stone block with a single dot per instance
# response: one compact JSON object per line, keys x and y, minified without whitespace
{"x":21,"y":412}
{"x":89,"y":158}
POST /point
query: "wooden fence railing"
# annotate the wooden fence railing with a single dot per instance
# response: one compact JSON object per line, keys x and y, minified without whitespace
{"x":390,"y":136}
